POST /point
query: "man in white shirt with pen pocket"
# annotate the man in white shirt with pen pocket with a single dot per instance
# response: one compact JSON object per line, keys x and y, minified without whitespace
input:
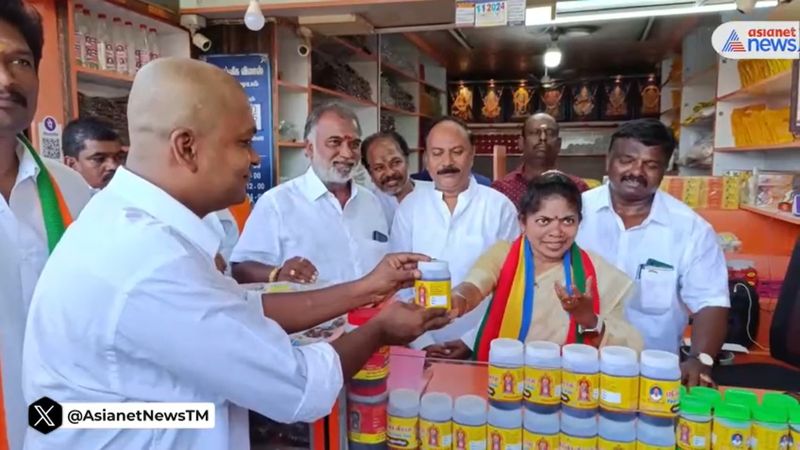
{"x":668,"y":249}
{"x":131,"y":308}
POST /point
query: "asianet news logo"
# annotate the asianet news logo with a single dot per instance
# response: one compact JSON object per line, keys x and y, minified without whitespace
{"x":757,"y":40}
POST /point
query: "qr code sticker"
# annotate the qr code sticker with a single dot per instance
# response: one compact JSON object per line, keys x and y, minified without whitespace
{"x":50,"y":147}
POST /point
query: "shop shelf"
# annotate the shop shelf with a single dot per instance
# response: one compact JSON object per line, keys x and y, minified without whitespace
{"x":769,"y":212}
{"x":294,"y":87}
{"x":288,"y":144}
{"x":391,"y":69}
{"x":341,"y":96}
{"x":761,"y":148}
{"x":396,"y":110}
{"x":340,"y":48}
{"x":103,"y":77}
{"x":776,"y":85}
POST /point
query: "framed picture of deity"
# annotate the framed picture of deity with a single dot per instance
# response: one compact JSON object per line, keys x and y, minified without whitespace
{"x":462,"y":102}
{"x":584,"y":104}
{"x":491,"y":103}
{"x":553,"y":101}
{"x":650,"y":97}
{"x":616,"y":102}
{"x":523,"y":101}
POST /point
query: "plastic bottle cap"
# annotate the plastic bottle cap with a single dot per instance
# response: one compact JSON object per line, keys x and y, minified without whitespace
{"x":404,"y":399}
{"x":742,"y":397}
{"x":576,"y":354}
{"x":711,"y":395}
{"x":770,"y":414}
{"x":613,"y":354}
{"x":470,"y":410}
{"x":794,"y":415}
{"x":695,"y":406}
{"x":436,"y":406}
{"x":660,"y":359}
{"x":506,"y":350}
{"x":361,"y":316}
{"x":776,"y":399}
{"x":509,"y":419}
{"x":432,"y":265}
{"x":542,"y":350}
{"x":732,"y":411}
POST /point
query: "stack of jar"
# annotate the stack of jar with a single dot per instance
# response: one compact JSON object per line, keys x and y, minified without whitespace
{"x":367,"y":393}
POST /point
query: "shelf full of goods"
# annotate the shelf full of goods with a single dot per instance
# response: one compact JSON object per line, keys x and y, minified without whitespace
{"x":544,"y":396}
{"x":111,"y":45}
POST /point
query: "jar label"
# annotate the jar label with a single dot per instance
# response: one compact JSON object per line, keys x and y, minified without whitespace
{"x":377,"y":366}
{"x":401,"y":432}
{"x":505,"y":384}
{"x":367,"y":422}
{"x":619,"y":393}
{"x":726,"y":438}
{"x":504,"y":439}
{"x":542,"y":386}
{"x":643,"y":446}
{"x":538,"y":441}
{"x":580,"y":390}
{"x":435,"y":435}
{"x":577,"y":443}
{"x":691,"y":435}
{"x":769,"y":438}
{"x":660,"y":397}
{"x":432,"y":294}
{"x":605,"y":444}
{"x":469,"y":438}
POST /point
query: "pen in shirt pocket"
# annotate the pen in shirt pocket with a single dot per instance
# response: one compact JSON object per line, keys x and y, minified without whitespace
{"x":379,"y":237}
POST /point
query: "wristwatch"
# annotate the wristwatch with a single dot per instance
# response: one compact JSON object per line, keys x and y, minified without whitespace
{"x":598,"y":329}
{"x":704,"y":358}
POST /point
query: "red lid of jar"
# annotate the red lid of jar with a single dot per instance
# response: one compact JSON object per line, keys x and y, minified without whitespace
{"x":360,"y":316}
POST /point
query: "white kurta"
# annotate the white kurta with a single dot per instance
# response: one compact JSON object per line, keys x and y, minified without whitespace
{"x":672,"y":235}
{"x":131,"y":308}
{"x":424,"y":224}
{"x":23,"y":246}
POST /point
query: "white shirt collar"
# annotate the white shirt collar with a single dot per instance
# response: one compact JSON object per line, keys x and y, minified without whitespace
{"x":153,"y":200}
{"x":313,"y":188}
{"x":659,"y":211}
{"x":472,"y":189}
{"x":27,"y":165}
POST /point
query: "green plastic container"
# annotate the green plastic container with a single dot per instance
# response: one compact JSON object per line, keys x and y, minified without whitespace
{"x":741,"y":397}
{"x":775,"y":399}
{"x":794,"y":423}
{"x":731,"y":426}
{"x":694,"y":423}
{"x":711,"y":395}
{"x":770,"y":427}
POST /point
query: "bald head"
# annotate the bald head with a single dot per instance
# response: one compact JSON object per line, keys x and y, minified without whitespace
{"x":539,"y":119}
{"x":182,"y":116}
{"x":540,"y":142}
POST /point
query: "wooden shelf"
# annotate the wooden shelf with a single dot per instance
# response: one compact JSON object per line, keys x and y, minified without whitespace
{"x":761,"y":148}
{"x":769,"y":212}
{"x":104,"y":77}
{"x":390,"y":69}
{"x":429,"y":85}
{"x":776,"y":85}
{"x":337,"y":47}
{"x":294,"y":87}
{"x":400,"y":111}
{"x":562,"y":125}
{"x":288,"y":144}
{"x":354,"y":101}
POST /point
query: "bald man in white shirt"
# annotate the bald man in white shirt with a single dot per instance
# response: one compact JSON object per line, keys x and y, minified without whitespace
{"x":456,"y":220}
{"x":130,"y":307}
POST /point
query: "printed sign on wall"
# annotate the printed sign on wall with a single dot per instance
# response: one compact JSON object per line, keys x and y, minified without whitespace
{"x":253,"y":73}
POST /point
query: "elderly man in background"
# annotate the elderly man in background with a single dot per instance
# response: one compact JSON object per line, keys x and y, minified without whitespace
{"x":131,"y":309}
{"x":321,"y":225}
{"x":93,"y":149}
{"x":385,"y":155}
{"x":540,"y":145}
{"x":39,"y":198}
{"x":455,"y":221}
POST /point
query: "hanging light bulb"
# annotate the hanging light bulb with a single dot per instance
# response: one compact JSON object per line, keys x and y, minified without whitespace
{"x":254,"y":18}
{"x":552,"y":56}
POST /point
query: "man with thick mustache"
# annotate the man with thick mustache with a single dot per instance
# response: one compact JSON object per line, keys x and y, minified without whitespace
{"x":319,"y":226}
{"x":385,"y":155}
{"x":669,"y":250}
{"x":455,"y":221}
{"x":39,"y":198}
{"x":540,"y":144}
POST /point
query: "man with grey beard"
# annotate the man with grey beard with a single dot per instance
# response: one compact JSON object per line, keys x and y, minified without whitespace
{"x":321,"y":225}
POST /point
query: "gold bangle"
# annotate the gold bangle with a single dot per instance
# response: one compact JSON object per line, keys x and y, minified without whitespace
{"x":274,"y":274}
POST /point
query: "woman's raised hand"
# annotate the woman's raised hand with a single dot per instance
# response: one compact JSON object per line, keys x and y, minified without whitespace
{"x":579,"y":305}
